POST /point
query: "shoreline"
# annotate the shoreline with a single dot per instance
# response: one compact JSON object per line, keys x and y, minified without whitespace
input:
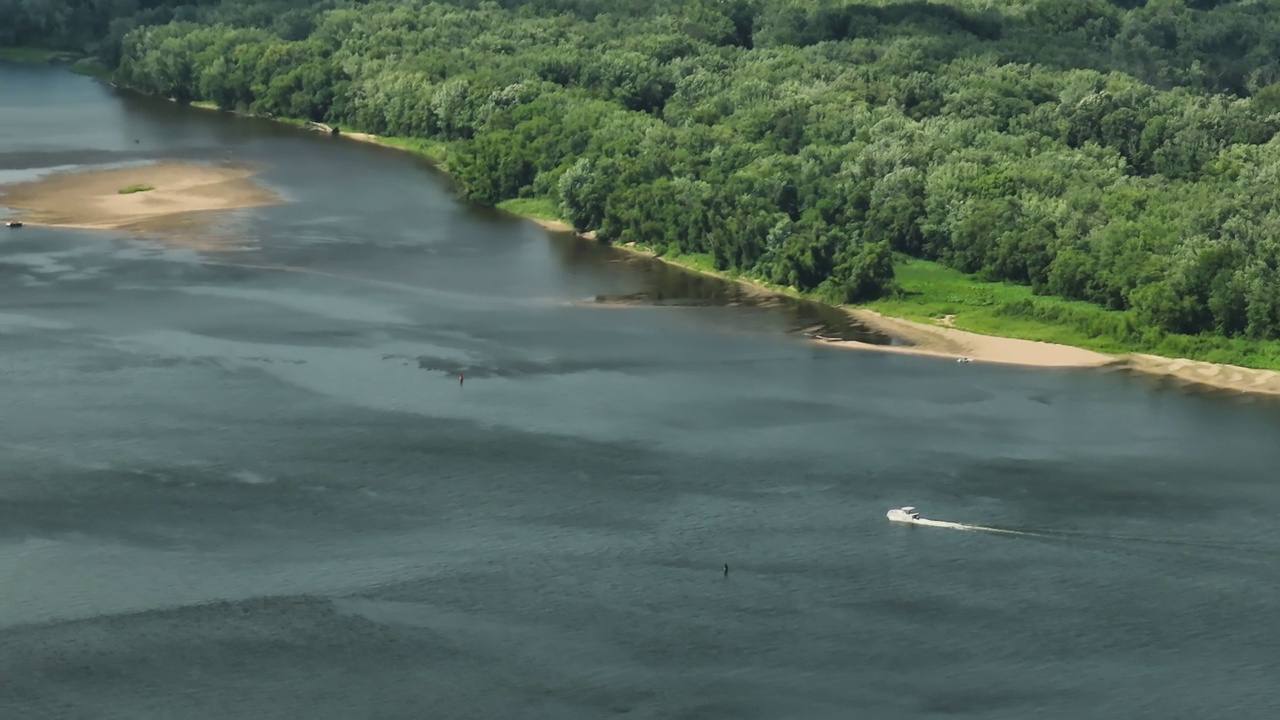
{"x":955,"y":344}
{"x":941,"y":341}
{"x":945,"y":342}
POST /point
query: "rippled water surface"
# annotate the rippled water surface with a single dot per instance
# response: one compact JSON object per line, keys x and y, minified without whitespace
{"x":240,"y":479}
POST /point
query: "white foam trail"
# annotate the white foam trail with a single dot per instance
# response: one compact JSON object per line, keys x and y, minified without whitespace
{"x":1182,"y":544}
{"x":970,"y":528}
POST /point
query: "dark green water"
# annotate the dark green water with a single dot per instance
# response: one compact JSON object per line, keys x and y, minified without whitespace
{"x":246,"y":483}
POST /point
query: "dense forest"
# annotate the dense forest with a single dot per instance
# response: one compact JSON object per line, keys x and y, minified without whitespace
{"x":1117,"y":152}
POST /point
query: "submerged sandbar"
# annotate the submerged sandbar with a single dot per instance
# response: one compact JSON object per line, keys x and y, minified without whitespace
{"x":175,"y":192}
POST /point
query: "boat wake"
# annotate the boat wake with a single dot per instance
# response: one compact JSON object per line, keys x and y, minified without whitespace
{"x":909,"y":516}
{"x":970,"y":528}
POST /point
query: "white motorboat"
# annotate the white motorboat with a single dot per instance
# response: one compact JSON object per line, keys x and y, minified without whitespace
{"x":906,"y":514}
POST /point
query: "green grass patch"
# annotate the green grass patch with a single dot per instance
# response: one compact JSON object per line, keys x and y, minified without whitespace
{"x":204,"y":105}
{"x":136,"y":189}
{"x":537,"y":208}
{"x":702,"y":262}
{"x":37,"y":56}
{"x":433,"y":150}
{"x":931,"y":292}
{"x":92,"y":68}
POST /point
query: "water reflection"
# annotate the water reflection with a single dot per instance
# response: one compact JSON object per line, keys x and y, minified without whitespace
{"x":669,"y":286}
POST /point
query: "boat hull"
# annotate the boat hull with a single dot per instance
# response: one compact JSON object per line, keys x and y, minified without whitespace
{"x":896,"y":515}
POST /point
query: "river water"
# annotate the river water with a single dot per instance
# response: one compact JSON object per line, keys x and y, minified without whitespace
{"x":240,"y":479}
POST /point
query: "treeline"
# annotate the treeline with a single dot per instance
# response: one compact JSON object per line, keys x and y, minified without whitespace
{"x":1121,"y":153}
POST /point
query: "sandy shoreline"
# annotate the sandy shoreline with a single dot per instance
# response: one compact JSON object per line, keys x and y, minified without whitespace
{"x":183,"y":194}
{"x":367,"y":138}
{"x":949,"y":342}
{"x":1215,"y":375}
{"x":558,"y":226}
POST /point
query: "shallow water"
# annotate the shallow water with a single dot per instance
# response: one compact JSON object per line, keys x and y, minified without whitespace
{"x":246,"y":482}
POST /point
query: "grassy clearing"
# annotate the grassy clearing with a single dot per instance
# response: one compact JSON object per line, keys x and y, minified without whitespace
{"x":702,"y":262}
{"x":436,"y":152}
{"x":932,"y":292}
{"x":92,"y":68}
{"x":536,"y":208}
{"x":37,"y":56}
{"x":136,"y":189}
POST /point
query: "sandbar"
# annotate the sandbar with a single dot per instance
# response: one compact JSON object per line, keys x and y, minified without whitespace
{"x":91,"y":199}
{"x":1215,"y":375}
{"x":559,"y":226}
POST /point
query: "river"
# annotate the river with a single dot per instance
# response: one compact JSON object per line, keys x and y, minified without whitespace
{"x":239,"y":477}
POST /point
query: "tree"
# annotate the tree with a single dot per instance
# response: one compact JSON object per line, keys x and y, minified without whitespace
{"x":1117,"y":153}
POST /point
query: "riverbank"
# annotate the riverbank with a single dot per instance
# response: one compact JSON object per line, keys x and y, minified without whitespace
{"x":74,"y":61}
{"x":927,"y":330}
{"x":947,"y":342}
{"x":37,"y":56}
{"x":924,"y":339}
{"x":952,"y":343}
{"x":940,"y":339}
{"x":932,"y":331}
{"x":145,"y":197}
